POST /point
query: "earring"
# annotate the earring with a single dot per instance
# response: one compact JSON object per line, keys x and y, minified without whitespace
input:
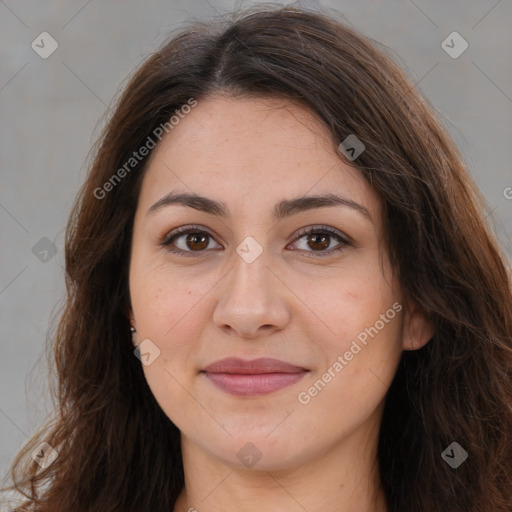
{"x":132,"y":329}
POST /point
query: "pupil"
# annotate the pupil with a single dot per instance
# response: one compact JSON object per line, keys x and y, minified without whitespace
{"x":323,"y":244}
{"x":197,"y":238}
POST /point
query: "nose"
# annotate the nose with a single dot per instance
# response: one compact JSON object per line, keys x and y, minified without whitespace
{"x":252,"y":301}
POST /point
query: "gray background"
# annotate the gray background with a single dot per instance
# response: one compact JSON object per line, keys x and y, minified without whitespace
{"x":51,"y":112}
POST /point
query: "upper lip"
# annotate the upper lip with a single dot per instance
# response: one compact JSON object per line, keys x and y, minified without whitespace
{"x":253,"y":366}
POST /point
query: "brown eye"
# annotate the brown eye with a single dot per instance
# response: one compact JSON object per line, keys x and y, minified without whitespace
{"x":197,"y":241}
{"x":314,"y":241}
{"x":189,"y":240}
{"x":318,"y":241}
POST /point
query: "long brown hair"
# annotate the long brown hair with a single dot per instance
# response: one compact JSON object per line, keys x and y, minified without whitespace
{"x":118,"y":451}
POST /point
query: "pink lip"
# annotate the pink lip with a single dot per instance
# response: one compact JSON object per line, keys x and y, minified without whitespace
{"x":256,"y":377}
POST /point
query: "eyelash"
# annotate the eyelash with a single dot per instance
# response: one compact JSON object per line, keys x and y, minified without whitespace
{"x":173,"y":235}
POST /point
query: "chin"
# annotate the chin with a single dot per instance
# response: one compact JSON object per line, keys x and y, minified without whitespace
{"x":259,"y":451}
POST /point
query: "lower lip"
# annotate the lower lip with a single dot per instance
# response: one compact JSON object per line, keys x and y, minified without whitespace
{"x":255,"y":384}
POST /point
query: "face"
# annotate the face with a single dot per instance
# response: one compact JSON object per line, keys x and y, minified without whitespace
{"x":257,"y":273}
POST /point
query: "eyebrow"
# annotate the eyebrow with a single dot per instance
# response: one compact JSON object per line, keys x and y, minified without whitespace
{"x":283,"y":209}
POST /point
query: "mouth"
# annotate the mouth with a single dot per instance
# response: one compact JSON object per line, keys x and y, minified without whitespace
{"x":255,"y":377}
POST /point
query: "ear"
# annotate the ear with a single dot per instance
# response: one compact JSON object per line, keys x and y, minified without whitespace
{"x":131,"y":319}
{"x":417,"y":328}
{"x":127,"y":311}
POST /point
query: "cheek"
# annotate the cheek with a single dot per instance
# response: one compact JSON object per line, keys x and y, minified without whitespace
{"x":347,"y":306}
{"x":168,"y":312}
{"x":360,"y":324}
{"x":358,"y":363}
{"x":162,"y":306}
{"x":163,"y":297}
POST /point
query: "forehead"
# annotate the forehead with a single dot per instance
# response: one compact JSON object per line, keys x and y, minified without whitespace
{"x":252,"y":151}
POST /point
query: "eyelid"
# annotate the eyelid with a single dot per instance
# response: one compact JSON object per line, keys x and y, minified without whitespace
{"x":307,"y":230}
{"x":184,"y":230}
{"x":189,"y":228}
{"x":343,"y":239}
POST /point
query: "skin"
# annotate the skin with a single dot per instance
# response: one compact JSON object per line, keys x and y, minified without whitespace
{"x":290,"y":303}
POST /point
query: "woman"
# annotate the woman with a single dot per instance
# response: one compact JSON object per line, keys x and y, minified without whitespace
{"x":282,"y":294}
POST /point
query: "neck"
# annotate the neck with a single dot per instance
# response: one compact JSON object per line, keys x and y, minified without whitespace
{"x":344,"y":479}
